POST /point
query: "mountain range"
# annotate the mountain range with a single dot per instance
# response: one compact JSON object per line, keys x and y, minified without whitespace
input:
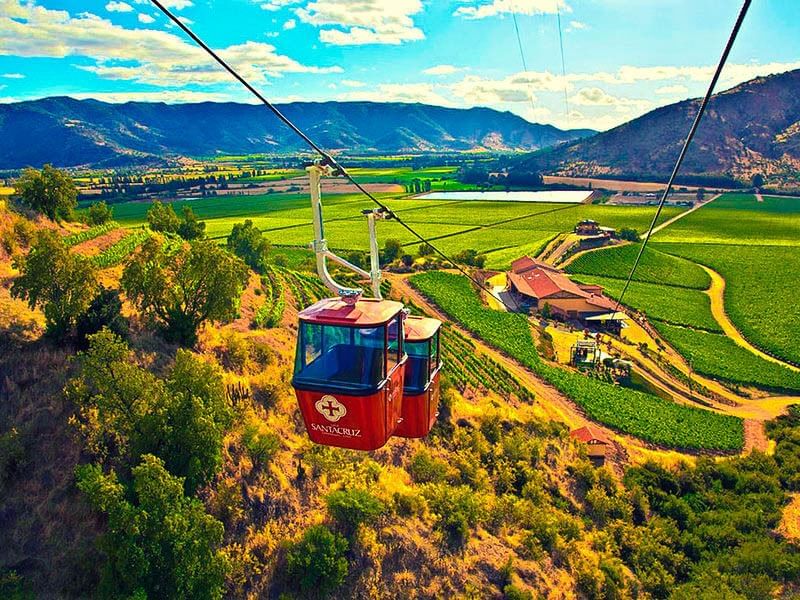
{"x":69,"y":133}
{"x":751,"y":128}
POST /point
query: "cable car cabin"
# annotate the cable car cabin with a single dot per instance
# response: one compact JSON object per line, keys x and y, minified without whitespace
{"x":421,"y":388}
{"x":349,"y":371}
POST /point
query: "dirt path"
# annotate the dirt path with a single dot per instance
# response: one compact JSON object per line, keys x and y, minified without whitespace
{"x":697,"y":206}
{"x":717,"y":294}
{"x":759,"y":197}
{"x":755,"y":437}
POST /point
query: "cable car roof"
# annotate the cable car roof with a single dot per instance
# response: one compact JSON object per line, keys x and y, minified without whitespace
{"x":364,"y":313}
{"x":419,"y":329}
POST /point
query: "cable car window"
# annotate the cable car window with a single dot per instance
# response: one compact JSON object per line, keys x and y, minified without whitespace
{"x":416,"y":378}
{"x":394,"y":335}
{"x":340,"y":357}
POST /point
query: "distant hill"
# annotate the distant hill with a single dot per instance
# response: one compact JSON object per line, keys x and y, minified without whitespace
{"x":69,"y":132}
{"x":751,"y":128}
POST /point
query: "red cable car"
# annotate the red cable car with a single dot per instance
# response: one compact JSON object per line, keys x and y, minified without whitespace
{"x":421,"y":386}
{"x":349,"y":372}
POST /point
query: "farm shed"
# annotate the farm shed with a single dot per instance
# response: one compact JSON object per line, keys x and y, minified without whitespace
{"x":596,"y":442}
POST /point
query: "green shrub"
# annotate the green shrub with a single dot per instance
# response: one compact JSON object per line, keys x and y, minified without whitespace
{"x":426,"y":468}
{"x":261,"y":445}
{"x":351,"y":508}
{"x":99,"y":213}
{"x":317,"y":562}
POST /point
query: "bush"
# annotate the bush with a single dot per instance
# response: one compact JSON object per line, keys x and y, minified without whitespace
{"x":162,"y":217}
{"x":317,"y":562}
{"x":425,"y":468}
{"x":247,"y":242}
{"x":99,"y":214}
{"x":104,"y":311}
{"x":391,"y":250}
{"x":260,"y":443}
{"x":351,"y":508}
{"x":470,"y":257}
{"x":628,"y":234}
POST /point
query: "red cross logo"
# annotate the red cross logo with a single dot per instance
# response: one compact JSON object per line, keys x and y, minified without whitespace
{"x":330,"y":408}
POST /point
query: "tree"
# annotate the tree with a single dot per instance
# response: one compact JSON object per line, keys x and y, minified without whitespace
{"x":470,"y":257}
{"x":105,"y":311}
{"x":701,"y":194}
{"x":160,"y":544}
{"x":629,"y":234}
{"x":61,"y":282}
{"x":546,"y":312}
{"x":247,"y":242}
{"x":318,"y":560}
{"x":180,"y":288}
{"x":162,"y":217}
{"x":757,"y":180}
{"x":99,"y":213}
{"x":191,"y":228}
{"x":407,"y":260}
{"x":425,"y":249}
{"x":50,"y":191}
{"x":125,"y":412}
{"x":391,"y":250}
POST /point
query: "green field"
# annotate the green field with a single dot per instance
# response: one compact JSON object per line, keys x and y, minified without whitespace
{"x":680,"y":306}
{"x":654,"y":267}
{"x":719,"y":357}
{"x":639,"y":414}
{"x":502,"y":230}
{"x":755,"y":246}
{"x":759,"y":296}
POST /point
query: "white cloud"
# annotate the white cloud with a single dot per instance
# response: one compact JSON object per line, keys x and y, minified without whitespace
{"x":358,"y":22}
{"x":521,"y":7}
{"x":577,"y":26}
{"x":673,"y":90}
{"x":143,"y":55}
{"x":594,"y":96}
{"x":122,"y":7}
{"x":13,"y":76}
{"x":290,"y":24}
{"x":176,"y":4}
{"x":352,"y":83}
{"x":168,"y":96}
{"x":399,"y":92}
{"x":443,"y":70}
{"x":273,"y":5}
{"x":145,"y":18}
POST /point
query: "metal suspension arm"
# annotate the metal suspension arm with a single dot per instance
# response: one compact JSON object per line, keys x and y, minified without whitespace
{"x":320,"y":244}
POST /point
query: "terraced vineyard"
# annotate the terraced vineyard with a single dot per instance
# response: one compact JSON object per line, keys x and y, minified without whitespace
{"x":120,"y":251}
{"x":270,"y":313}
{"x":718,"y":356}
{"x":759,"y":297}
{"x":636,"y":413}
{"x":90,"y":234}
{"x":679,"y":306}
{"x":655,"y":267}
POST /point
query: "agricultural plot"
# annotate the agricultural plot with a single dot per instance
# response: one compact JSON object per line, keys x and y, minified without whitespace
{"x":679,"y":306}
{"x":639,"y":414}
{"x":739,"y":219}
{"x":90,"y":234}
{"x":654,"y":267}
{"x":120,"y":251}
{"x":719,"y":357}
{"x":760,"y":297}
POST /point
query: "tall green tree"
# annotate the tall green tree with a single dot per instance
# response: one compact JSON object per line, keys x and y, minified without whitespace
{"x":190,"y":228}
{"x":125,"y":412}
{"x":392,"y":249}
{"x":50,"y":191}
{"x":58,"y":281}
{"x":180,"y":288}
{"x":248,"y":243}
{"x":162,"y":217}
{"x":160,"y":543}
{"x":99,"y":213}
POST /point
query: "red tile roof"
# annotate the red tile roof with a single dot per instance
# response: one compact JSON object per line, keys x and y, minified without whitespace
{"x":526,"y":263}
{"x":589,"y":434}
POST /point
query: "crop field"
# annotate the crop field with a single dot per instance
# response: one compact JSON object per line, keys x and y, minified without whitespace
{"x":503,"y":230}
{"x":739,"y":219}
{"x":679,"y":306}
{"x":760,"y":297}
{"x":655,"y":266}
{"x":639,"y":414}
{"x":718,"y":356}
{"x":755,"y":246}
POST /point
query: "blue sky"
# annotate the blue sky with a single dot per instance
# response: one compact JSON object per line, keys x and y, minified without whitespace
{"x":623,"y":57}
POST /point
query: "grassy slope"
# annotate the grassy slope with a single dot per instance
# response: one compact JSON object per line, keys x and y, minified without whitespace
{"x":642,"y":415}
